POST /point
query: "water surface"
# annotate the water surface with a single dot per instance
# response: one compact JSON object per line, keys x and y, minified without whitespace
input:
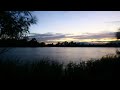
{"x":62,"y":54}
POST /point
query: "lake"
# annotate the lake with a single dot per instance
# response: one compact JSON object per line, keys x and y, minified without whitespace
{"x":62,"y":54}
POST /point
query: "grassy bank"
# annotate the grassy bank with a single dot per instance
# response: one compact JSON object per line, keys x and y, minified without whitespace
{"x":106,"y":68}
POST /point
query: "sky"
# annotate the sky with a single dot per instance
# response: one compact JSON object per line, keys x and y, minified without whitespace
{"x":78,"y":26}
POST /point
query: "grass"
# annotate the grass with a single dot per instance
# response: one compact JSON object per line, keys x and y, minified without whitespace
{"x":106,"y":68}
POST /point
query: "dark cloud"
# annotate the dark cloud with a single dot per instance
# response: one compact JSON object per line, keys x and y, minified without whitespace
{"x":50,"y":36}
{"x":41,"y":35}
{"x":47,"y":36}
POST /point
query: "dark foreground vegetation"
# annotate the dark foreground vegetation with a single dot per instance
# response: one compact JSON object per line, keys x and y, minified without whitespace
{"x":106,"y":68}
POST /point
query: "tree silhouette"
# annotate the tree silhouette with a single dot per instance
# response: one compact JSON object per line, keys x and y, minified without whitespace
{"x":118,"y":34}
{"x":15,"y":24}
{"x":42,"y":44}
{"x":33,"y":40}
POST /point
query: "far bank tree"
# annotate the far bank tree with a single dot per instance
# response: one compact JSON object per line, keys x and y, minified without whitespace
{"x":118,"y":34}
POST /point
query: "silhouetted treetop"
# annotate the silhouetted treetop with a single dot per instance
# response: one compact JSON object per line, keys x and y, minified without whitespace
{"x":118,"y":34}
{"x":15,"y":24}
{"x":33,"y":40}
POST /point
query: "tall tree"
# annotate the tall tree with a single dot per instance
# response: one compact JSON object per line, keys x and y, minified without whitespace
{"x":15,"y":24}
{"x":118,"y":34}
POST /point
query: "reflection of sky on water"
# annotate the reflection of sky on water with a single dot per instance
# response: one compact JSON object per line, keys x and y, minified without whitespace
{"x":62,"y":54}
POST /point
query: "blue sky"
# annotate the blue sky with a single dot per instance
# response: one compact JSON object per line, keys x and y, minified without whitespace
{"x":67,"y":25}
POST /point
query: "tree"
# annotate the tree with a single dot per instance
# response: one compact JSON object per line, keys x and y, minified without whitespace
{"x":118,"y":34}
{"x":15,"y":24}
{"x":58,"y":44}
{"x":42,"y":43}
{"x":33,"y":40}
{"x":118,"y":37}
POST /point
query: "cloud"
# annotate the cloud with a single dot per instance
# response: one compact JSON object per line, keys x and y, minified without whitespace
{"x":113,"y":22}
{"x":47,"y":37}
{"x":95,"y":36}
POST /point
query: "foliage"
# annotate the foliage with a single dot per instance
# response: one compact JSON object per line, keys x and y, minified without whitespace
{"x":118,"y":34}
{"x":106,"y":68}
{"x":15,"y":24}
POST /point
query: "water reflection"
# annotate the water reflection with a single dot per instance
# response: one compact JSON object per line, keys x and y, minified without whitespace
{"x":63,"y":54}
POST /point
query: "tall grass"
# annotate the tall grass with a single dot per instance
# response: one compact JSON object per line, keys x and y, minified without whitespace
{"x":106,"y":68}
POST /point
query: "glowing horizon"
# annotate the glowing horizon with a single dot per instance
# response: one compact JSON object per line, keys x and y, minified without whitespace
{"x":84,"y":40}
{"x":61,"y":25}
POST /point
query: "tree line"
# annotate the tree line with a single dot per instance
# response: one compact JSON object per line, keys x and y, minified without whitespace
{"x":25,"y":42}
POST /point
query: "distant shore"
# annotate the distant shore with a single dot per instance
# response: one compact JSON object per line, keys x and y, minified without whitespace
{"x":34,"y":43}
{"x":58,"y":46}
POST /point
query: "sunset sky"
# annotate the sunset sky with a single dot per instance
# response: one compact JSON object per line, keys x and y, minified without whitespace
{"x":78,"y":26}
